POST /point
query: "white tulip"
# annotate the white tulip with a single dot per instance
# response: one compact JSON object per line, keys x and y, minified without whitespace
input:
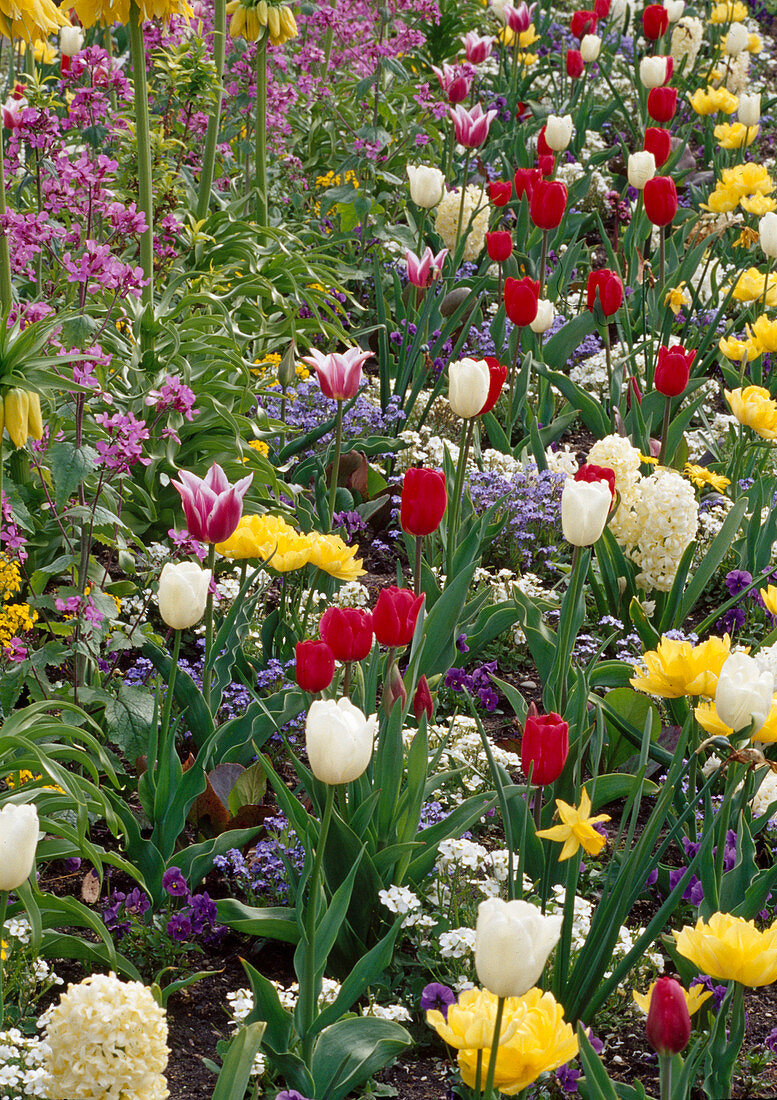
{"x":18,"y":841}
{"x":590,"y":46}
{"x":585,"y":506}
{"x":674,"y":9}
{"x":183,"y":593}
{"x":744,"y":693}
{"x":767,"y":230}
{"x":749,"y":110}
{"x":469,"y":381}
{"x":512,"y":943}
{"x":71,"y":41}
{"x":558,"y":132}
{"x":545,"y":316}
{"x":652,"y":71}
{"x":427,"y":185}
{"x":642,"y":167}
{"x":737,"y":39}
{"x":339,"y":740}
{"x":498,"y":8}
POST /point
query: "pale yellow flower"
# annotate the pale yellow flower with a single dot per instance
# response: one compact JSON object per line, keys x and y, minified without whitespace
{"x":709,"y":101}
{"x":735,"y":349}
{"x":675,"y":669}
{"x":765,"y":332}
{"x":330,"y":554}
{"x":694,"y":998}
{"x":735,"y":135}
{"x":750,"y":286}
{"x":731,"y":949}
{"x":754,"y":407}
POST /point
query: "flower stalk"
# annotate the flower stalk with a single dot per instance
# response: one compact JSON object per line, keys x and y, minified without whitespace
{"x":488,"y":1092}
{"x":214,"y":122}
{"x":207,"y":671}
{"x":143,"y":145}
{"x":308,"y":992}
{"x":261,"y":129}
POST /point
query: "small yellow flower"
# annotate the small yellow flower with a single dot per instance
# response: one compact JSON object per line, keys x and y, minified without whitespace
{"x":731,"y":949}
{"x":649,"y":460}
{"x":260,"y":446}
{"x":677,"y":297}
{"x":753,"y":406}
{"x":577,"y":829}
{"x":735,"y":135}
{"x":707,"y":716}
{"x":755,"y":43}
{"x":735,"y":349}
{"x":694,"y":998}
{"x":747,"y":238}
{"x":3,"y":950}
{"x":675,"y":669}
{"x":709,"y":101}
{"x":330,"y":554}
{"x":701,"y":476}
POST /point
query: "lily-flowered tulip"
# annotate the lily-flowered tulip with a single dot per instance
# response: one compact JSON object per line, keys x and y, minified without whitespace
{"x":339,"y":374}
{"x":453,"y":82}
{"x":211,"y":505}
{"x":518,"y":18}
{"x":422,"y":271}
{"x":477,"y":49}
{"x":471,"y":127}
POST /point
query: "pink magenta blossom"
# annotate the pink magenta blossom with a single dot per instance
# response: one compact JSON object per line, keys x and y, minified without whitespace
{"x":518,"y":19}
{"x":471,"y":126}
{"x":423,"y":270}
{"x":338,"y":374}
{"x":476,"y":48}
{"x":453,"y":81}
{"x":211,"y":505}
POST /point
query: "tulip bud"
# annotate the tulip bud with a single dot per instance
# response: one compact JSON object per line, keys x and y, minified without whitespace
{"x":183,"y":593}
{"x":499,"y":246}
{"x":71,"y":40}
{"x":339,"y":740}
{"x":668,"y":1024}
{"x":674,"y":9}
{"x":427,"y":185}
{"x":394,"y":689}
{"x":546,"y":314}
{"x":583,"y":23}
{"x":18,"y":842}
{"x":655,"y":71}
{"x":558,"y":132}
{"x":641,"y":168}
{"x":544,"y":747}
{"x":737,"y":39}
{"x":521,"y":297}
{"x":749,"y":110}
{"x":590,"y":47}
{"x":512,"y":943}
{"x":584,"y":510}
{"x":395,"y":616}
{"x":655,"y":21}
{"x":606,"y":287}
{"x":315,"y":666}
{"x":423,"y":502}
{"x":500,"y":192}
{"x":744,"y":693}
{"x":422,"y":700}
{"x":673,"y":369}
{"x":767,"y":231}
{"x":575,"y":63}
{"x":660,"y":198}
{"x":659,"y":143}
{"x":662,"y":104}
{"x":548,"y":203}
{"x":468,"y":384}
{"x":347,"y":631}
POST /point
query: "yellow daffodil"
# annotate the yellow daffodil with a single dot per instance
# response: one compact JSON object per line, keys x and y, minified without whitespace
{"x":735,"y":135}
{"x":735,"y":12}
{"x":731,"y":949}
{"x":675,"y":669}
{"x":701,"y":476}
{"x":534,"y":1039}
{"x":250,"y":18}
{"x":330,"y":554}
{"x":677,"y":297}
{"x":736,"y":349}
{"x":577,"y":829}
{"x":709,"y":101}
{"x":750,"y":287}
{"x":694,"y":998}
{"x":769,"y":597}
{"x":765,"y":332}
{"x":754,"y":407}
{"x":707,"y":716}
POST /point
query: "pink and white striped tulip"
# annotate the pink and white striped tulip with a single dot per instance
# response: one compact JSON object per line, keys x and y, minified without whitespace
{"x":211,"y":505}
{"x":471,"y":127}
{"x":476,"y":48}
{"x":453,"y":82}
{"x":518,"y":19}
{"x":426,"y":269}
{"x":339,"y":374}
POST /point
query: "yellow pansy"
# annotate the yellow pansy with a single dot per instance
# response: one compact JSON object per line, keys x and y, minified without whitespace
{"x":694,"y":998}
{"x":750,"y":287}
{"x":675,"y":669}
{"x":731,"y":949}
{"x":765,"y":332}
{"x":577,"y":828}
{"x":709,"y":101}
{"x":735,"y":349}
{"x":330,"y":554}
{"x":735,"y":135}
{"x":753,"y":406}
{"x":707,"y":716}
{"x":701,"y":476}
{"x":677,"y":297}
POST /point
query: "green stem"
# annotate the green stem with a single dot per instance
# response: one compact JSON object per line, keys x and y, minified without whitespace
{"x":562,"y":952}
{"x":661,"y":259}
{"x":168,"y":707}
{"x":665,"y":430}
{"x":488,"y":1092}
{"x":766,"y":285}
{"x":211,"y":138}
{"x":543,"y":262}
{"x":479,"y":1072}
{"x":421,"y":225}
{"x":143,"y":143}
{"x":665,"y":1075}
{"x":458,"y":490}
{"x":336,"y":463}
{"x":261,"y":130}
{"x":5,"y":256}
{"x":207,"y":672}
{"x":419,"y":552}
{"x":308,"y":991}
{"x":463,"y":197}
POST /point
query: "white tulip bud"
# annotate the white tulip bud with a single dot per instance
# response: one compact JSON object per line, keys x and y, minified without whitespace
{"x":71,"y":41}
{"x":653,"y":71}
{"x":737,"y":39}
{"x":512,"y":943}
{"x":749,"y":110}
{"x":469,"y":381}
{"x":18,"y":841}
{"x":585,"y":506}
{"x":767,"y":230}
{"x":183,"y":593}
{"x":427,"y":185}
{"x":545,"y":316}
{"x":590,"y":46}
{"x":674,"y":9}
{"x":642,"y":167}
{"x":558,"y":132}
{"x":498,"y":8}
{"x":339,"y":740}
{"x":744,"y":693}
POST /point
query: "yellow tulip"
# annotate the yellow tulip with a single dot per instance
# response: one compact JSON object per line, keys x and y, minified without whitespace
{"x":330,"y":554}
{"x":736,"y":349}
{"x":675,"y":669}
{"x":735,"y":135}
{"x":707,"y":716}
{"x":753,"y":406}
{"x":731,"y":949}
{"x":709,"y":101}
{"x":750,"y":285}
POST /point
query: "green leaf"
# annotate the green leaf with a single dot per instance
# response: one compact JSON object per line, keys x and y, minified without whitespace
{"x":268,"y":922}
{"x":249,"y":789}
{"x":711,"y":560}
{"x":128,"y":718}
{"x":633,"y":707}
{"x":70,"y":465}
{"x":349,"y":1052}
{"x":238,"y":1063}
{"x":596,"y":1084}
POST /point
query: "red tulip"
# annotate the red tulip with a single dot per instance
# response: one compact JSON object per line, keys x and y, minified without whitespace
{"x":424,"y":500}
{"x":525,"y":180}
{"x":583,"y":23}
{"x":543,"y":149}
{"x":633,"y":390}
{"x":395,"y":615}
{"x":673,"y":369}
{"x":547,"y":165}
{"x":548,"y":203}
{"x":668,"y":1024}
{"x":498,"y":375}
{"x":500,"y":192}
{"x":499,"y":245}
{"x":315,"y":667}
{"x":659,"y":143}
{"x":609,"y":288}
{"x":590,"y":472}
{"x":602,"y":8}
{"x":655,"y":21}
{"x":394,"y":689}
{"x":575,"y":64}
{"x":662,"y":103}
{"x":660,"y":198}
{"x":211,"y":505}
{"x":347,"y":631}
{"x":521,"y":298}
{"x":545,"y":744}
{"x":422,"y":701}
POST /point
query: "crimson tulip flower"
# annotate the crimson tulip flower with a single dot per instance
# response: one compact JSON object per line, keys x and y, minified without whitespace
{"x":655,"y":21}
{"x":525,"y":180}
{"x":498,"y":374}
{"x":424,"y":500}
{"x":521,"y":298}
{"x":602,"y":8}
{"x":395,"y":615}
{"x":315,"y":665}
{"x":575,"y":64}
{"x":211,"y":505}
{"x":668,"y":1024}
{"x":548,"y":203}
{"x":583,"y":23}
{"x":422,"y":700}
{"x":589,"y":472}
{"x":662,"y":103}
{"x":347,"y":631}
{"x":660,"y":198}
{"x":610,"y":291}
{"x":545,"y":744}
{"x":547,"y":165}
{"x":659,"y":143}
{"x":673,"y":369}
{"x":499,"y":245}
{"x":500,"y":192}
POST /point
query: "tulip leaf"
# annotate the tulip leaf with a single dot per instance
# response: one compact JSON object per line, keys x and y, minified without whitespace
{"x":187,"y":696}
{"x":633,"y":707}
{"x":711,"y":560}
{"x":596,"y":1084}
{"x":239,"y":1061}
{"x":350,"y":1051}
{"x":268,"y":1009}
{"x":268,"y":922}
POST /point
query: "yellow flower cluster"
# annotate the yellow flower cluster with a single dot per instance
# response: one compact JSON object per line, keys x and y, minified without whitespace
{"x":30,"y":19}
{"x":15,"y":618}
{"x":107,"y":12}
{"x":334,"y":179}
{"x":735,"y":136}
{"x":269,"y":363}
{"x":675,"y":669}
{"x":275,"y":542}
{"x":732,"y":12}
{"x":534,"y":1039}
{"x":754,"y":407}
{"x":731,"y":949}
{"x":746,"y":185}
{"x":249,"y":20}
{"x":761,"y":337}
{"x":711,"y":101}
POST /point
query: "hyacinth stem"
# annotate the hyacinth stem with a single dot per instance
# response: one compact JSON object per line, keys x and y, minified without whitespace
{"x":336,"y":463}
{"x":5,"y":255}
{"x":458,"y":490}
{"x":206,"y":670}
{"x":488,"y":1092}
{"x":308,"y":992}
{"x":143,"y":144}
{"x":419,"y":553}
{"x":212,"y":135}
{"x":665,"y":430}
{"x":261,"y":129}
{"x":168,"y":707}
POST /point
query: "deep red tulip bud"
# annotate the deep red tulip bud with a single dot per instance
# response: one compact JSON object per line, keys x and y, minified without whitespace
{"x":520,"y":110}
{"x":500,"y":192}
{"x":668,"y":1024}
{"x":521,"y":298}
{"x":660,"y":199}
{"x":499,"y":245}
{"x":347,"y":631}
{"x":395,"y":615}
{"x":498,"y":375}
{"x":394,"y":689}
{"x":659,"y":143}
{"x":602,"y":8}
{"x":525,"y":180}
{"x":575,"y":64}
{"x":590,"y":472}
{"x":424,"y":500}
{"x":673,"y":369}
{"x":608,"y":287}
{"x":655,"y":21}
{"x":422,"y":701}
{"x":548,"y":204}
{"x":547,"y":165}
{"x":662,"y":103}
{"x":633,"y":390}
{"x":543,"y":149}
{"x":545,"y":744}
{"x":315,"y":666}
{"x":583,"y":23}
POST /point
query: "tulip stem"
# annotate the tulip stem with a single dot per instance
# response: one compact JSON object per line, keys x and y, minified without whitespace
{"x":458,"y":490}
{"x":419,"y":552}
{"x":347,"y":679}
{"x":143,"y":145}
{"x":261,"y":130}
{"x":168,"y":707}
{"x":206,"y":669}
{"x":3,"y":907}
{"x":665,"y":1075}
{"x":766,"y":278}
{"x":421,"y":226}
{"x":461,"y":204}
{"x":336,"y":463}
{"x":479,"y":1072}
{"x":308,"y":992}
{"x":562,"y":953}
{"x":543,"y":262}
{"x":665,"y":430}
{"x":488,"y":1092}
{"x":6,"y":295}
{"x":661,"y":259}
{"x":211,"y":137}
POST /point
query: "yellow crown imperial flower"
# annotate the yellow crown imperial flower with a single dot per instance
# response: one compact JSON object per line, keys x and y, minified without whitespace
{"x":675,"y":669}
{"x":107,"y":12}
{"x":21,"y":415}
{"x":30,"y":20}
{"x":754,"y":407}
{"x":250,"y":19}
{"x":731,"y":949}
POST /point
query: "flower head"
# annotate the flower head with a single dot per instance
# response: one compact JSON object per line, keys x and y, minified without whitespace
{"x":211,"y":505}
{"x":754,"y":407}
{"x":731,"y":949}
{"x":675,"y":669}
{"x":577,"y":829}
{"x":339,"y":374}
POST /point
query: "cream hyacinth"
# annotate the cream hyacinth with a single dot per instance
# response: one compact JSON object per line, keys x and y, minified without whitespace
{"x":447,"y":220}
{"x":687,"y":37}
{"x":668,"y":514}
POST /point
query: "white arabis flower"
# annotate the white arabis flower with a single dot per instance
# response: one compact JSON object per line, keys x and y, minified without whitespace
{"x":767,"y":230}
{"x":183,"y":593}
{"x":590,"y":46}
{"x":339,"y":740}
{"x":545,"y":316}
{"x":744,"y":693}
{"x":737,"y":39}
{"x":469,"y":381}
{"x":512,"y":943}
{"x":642,"y":167}
{"x":18,"y":841}
{"x":584,"y":509}
{"x":652,"y":71}
{"x":558,"y":132}
{"x":749,"y":110}
{"x":427,"y":185}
